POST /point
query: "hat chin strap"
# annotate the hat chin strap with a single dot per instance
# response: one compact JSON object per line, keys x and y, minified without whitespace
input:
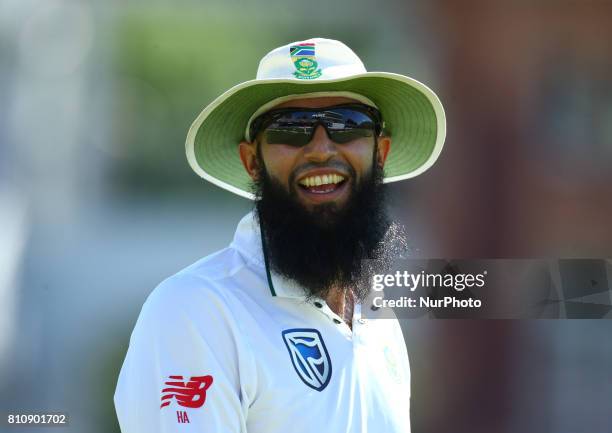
{"x":277,"y":101}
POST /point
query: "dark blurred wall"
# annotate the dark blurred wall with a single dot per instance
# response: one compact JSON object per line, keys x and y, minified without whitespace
{"x":525,"y":173}
{"x":526,"y":167}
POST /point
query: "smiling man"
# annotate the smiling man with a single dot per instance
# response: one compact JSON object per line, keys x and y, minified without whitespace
{"x":320,"y":160}
{"x":267,"y":335}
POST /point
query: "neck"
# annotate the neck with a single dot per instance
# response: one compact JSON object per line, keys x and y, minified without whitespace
{"x":341,"y":302}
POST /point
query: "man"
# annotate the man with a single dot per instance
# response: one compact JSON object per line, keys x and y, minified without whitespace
{"x":267,"y":335}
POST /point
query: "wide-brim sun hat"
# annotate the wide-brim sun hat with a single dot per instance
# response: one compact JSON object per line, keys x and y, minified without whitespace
{"x":412,"y":113}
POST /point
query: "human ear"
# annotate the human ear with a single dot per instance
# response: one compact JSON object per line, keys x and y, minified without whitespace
{"x":248,"y":156}
{"x":383,"y":147}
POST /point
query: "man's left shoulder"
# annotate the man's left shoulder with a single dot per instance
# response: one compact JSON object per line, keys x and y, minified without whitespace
{"x":387,"y":330}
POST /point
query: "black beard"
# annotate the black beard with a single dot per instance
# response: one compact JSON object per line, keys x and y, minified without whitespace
{"x":323,"y":248}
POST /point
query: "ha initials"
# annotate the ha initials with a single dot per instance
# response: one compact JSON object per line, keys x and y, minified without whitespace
{"x":182,"y":417}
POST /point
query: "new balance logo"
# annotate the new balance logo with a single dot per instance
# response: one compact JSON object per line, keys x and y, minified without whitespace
{"x":191,"y":394}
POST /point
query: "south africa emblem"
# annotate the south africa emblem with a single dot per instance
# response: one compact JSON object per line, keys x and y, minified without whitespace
{"x":303,"y":58}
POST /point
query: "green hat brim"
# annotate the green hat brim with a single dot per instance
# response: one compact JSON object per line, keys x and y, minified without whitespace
{"x":413,"y":115}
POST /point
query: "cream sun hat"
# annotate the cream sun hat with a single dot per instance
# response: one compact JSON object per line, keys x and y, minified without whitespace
{"x":413,"y":114}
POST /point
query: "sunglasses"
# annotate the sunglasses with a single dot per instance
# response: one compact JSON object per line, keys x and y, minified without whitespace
{"x":296,"y":126}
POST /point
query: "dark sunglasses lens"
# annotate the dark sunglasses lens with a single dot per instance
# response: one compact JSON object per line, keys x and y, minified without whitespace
{"x":352,"y":126}
{"x":343,"y":125}
{"x":291,"y":135}
{"x":290,"y":127}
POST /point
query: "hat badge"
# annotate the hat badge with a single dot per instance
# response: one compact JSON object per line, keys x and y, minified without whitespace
{"x":303,"y":58}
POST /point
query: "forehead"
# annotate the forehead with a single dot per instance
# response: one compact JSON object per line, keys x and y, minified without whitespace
{"x":319,"y":102}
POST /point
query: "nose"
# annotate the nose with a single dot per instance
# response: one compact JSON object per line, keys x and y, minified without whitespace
{"x":320,"y":148}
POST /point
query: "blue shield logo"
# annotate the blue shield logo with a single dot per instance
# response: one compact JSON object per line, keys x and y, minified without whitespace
{"x":309,"y":356}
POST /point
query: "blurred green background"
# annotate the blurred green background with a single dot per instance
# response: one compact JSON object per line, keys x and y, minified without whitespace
{"x":98,"y":204}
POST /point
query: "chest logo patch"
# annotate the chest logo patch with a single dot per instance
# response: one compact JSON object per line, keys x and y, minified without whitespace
{"x":309,"y":356}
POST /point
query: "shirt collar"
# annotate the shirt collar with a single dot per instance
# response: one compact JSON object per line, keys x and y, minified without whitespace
{"x":248,"y":241}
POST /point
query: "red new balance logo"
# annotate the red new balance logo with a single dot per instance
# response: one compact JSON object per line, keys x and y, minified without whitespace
{"x":190,"y":394}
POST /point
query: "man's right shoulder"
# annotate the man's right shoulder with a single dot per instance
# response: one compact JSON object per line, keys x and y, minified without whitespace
{"x":216,"y":279}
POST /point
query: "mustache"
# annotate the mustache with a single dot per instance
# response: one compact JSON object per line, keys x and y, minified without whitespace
{"x":340,"y":166}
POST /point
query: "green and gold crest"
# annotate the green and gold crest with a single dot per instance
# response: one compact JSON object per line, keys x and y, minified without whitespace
{"x":303,"y":57}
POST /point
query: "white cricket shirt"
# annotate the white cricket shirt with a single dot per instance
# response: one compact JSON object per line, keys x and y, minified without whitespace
{"x":225,"y":346}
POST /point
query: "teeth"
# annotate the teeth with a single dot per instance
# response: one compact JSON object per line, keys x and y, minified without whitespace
{"x":326,"y":179}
